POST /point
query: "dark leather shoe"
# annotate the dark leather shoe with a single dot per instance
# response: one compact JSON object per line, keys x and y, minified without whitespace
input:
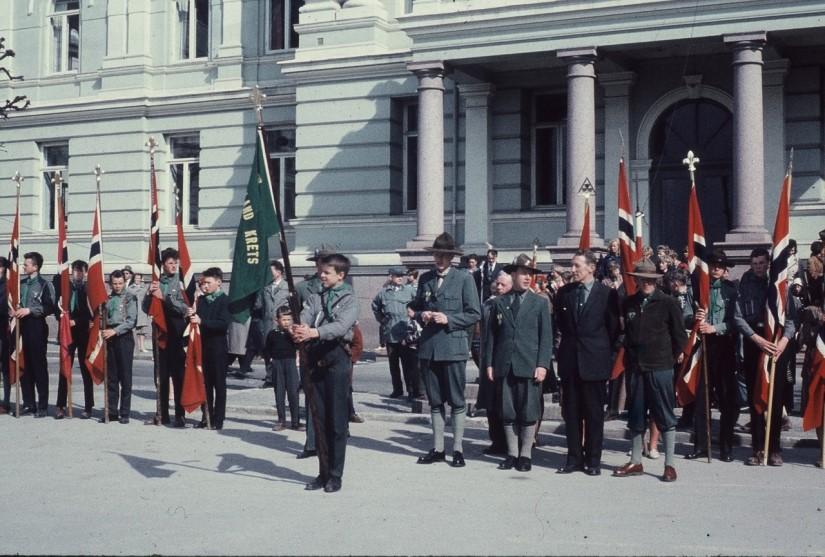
{"x":569,"y":468}
{"x":669,"y":475}
{"x":523,"y":464}
{"x":306,"y":454}
{"x":41,"y":414}
{"x":755,"y":459}
{"x":458,"y":460}
{"x":217,"y":425}
{"x":629,"y":469}
{"x":355,"y":419}
{"x":775,"y":459}
{"x":180,"y":421}
{"x":396,"y":394}
{"x":508,"y":463}
{"x":86,"y":414}
{"x":726,"y":456}
{"x":332,"y":485}
{"x":280,"y":426}
{"x":27,"y":410}
{"x":495,"y":450}
{"x":594,"y":471}
{"x":164,"y":420}
{"x":59,"y":414}
{"x":124,"y":419}
{"x":695,"y":455}
{"x":316,"y":484}
{"x":431,"y":457}
{"x":200,"y":425}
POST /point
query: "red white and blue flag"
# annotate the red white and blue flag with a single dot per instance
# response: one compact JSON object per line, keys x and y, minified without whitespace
{"x":153,"y":258}
{"x":97,"y":297}
{"x":187,"y":276}
{"x":64,"y":327}
{"x":16,"y":357}
{"x":627,"y":250}
{"x":816,"y":391}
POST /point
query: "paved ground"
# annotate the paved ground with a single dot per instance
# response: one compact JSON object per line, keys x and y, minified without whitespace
{"x":82,"y":487}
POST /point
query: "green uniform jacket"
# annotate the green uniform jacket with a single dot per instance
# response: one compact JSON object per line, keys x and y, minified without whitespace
{"x":520,"y":343}
{"x":458,"y":299}
{"x":122,"y":312}
{"x":390,"y":310}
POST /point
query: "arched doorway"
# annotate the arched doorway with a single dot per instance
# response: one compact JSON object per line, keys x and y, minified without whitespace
{"x":703,"y":126}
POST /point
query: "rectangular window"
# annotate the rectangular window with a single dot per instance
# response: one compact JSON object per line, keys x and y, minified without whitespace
{"x":410,"y":157}
{"x":193,"y":28}
{"x":281,"y":147}
{"x":184,"y":174}
{"x":65,"y":37}
{"x":548,"y":149}
{"x":282,"y":18}
{"x":55,"y":160}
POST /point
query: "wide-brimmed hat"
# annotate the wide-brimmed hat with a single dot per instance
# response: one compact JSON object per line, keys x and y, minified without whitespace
{"x":397,"y":271}
{"x":523,"y":261}
{"x":645,"y":269}
{"x":719,"y":258}
{"x":320,"y":253}
{"x":128,"y":268}
{"x":445,"y":244}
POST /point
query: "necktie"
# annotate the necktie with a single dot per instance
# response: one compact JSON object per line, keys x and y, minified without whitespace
{"x":440,"y":280}
{"x":581,"y":298}
{"x":515,"y":305}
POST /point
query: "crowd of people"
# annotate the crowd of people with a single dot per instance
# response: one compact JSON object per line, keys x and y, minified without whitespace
{"x":529,"y":332}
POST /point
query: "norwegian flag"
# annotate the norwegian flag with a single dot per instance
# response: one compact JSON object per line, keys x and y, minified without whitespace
{"x":187,"y":277}
{"x":193,"y":395}
{"x":777,"y":292}
{"x":16,"y":357}
{"x":584,"y":239}
{"x":816,"y":391}
{"x":627,"y":248}
{"x":690,"y":369}
{"x":97,"y":296}
{"x":153,"y":258}
{"x":65,"y":327}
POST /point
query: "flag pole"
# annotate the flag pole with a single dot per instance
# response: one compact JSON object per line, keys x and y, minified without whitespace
{"x":151,"y":143}
{"x":98,"y":172}
{"x":257,"y":98}
{"x":18,"y":179}
{"x":57,"y":181}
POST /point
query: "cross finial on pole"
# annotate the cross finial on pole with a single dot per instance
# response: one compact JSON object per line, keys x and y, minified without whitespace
{"x":152,"y":144}
{"x":17,"y":179}
{"x":57,"y":179}
{"x":691,"y":161}
{"x":98,"y":174}
{"x":257,"y":98}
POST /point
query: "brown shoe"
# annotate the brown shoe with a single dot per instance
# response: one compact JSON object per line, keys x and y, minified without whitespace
{"x":669,"y":475}
{"x":775,"y":459}
{"x":59,"y":414}
{"x":755,"y":459}
{"x":629,"y":469}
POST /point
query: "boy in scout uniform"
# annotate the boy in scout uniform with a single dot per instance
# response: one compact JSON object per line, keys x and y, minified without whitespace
{"x":121,"y":317}
{"x":446,"y":304}
{"x":172,"y":358}
{"x":37,"y":301}
{"x":517,"y":354}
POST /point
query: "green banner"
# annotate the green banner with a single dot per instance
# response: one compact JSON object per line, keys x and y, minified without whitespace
{"x":250,"y":263}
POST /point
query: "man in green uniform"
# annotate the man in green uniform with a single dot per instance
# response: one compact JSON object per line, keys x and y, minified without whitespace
{"x":121,"y":317}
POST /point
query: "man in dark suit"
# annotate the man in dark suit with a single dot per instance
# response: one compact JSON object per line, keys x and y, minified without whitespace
{"x":587,"y":319}
{"x":517,"y":354}
{"x":489,"y":271}
{"x":446,"y":306}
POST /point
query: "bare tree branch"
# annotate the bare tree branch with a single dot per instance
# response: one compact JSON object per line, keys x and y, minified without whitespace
{"x":20,"y":102}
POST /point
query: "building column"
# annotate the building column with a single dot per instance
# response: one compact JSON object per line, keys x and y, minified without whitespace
{"x":773,"y":76}
{"x":231,"y":19}
{"x":748,"y":141}
{"x":478,"y":165}
{"x":317,"y":11}
{"x":116,"y":22}
{"x":430,"y":211}
{"x":616,"y":141}
{"x":138,"y":48}
{"x":580,"y":157}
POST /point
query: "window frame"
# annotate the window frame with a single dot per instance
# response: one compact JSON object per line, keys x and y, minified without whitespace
{"x":282,"y":173}
{"x":63,"y":16}
{"x":560,"y":153}
{"x":406,"y":134}
{"x":48,"y":200}
{"x":288,"y":28}
{"x":186,"y":181}
{"x":191,"y":32}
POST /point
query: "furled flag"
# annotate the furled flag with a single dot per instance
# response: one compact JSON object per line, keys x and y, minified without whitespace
{"x":16,"y":357}
{"x":627,"y":250}
{"x":153,"y":258}
{"x":584,"y":239}
{"x":816,"y":391}
{"x":258,"y":222}
{"x":690,"y":369}
{"x":777,"y":292}
{"x":65,"y":327}
{"x":187,"y":277}
{"x":193,"y":394}
{"x":97,"y":297}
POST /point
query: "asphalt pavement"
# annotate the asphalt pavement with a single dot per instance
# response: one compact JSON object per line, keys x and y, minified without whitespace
{"x":82,"y":487}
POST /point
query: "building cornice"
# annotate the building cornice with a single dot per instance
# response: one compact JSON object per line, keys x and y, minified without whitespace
{"x":343,"y":65}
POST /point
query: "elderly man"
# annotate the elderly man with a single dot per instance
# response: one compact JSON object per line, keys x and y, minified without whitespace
{"x":654,"y":338}
{"x":446,"y":305}
{"x":518,"y":349}
{"x":390,"y":310}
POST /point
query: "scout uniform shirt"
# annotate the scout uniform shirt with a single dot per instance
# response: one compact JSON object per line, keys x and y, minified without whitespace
{"x":121,"y":312}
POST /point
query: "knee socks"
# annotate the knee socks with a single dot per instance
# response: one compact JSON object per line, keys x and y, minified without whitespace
{"x":437,"y":416}
{"x":458,"y":428}
{"x":670,"y":446}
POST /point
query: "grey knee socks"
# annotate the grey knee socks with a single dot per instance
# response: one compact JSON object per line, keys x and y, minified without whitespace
{"x":528,"y":434}
{"x":458,"y":429}
{"x":670,"y":446}
{"x":437,"y":416}
{"x":636,"y":456}
{"x":511,"y":436}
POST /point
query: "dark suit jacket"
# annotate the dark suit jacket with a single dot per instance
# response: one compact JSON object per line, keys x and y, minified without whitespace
{"x":488,"y":275}
{"x":458,"y":299}
{"x":520,"y":343}
{"x":587,"y":340}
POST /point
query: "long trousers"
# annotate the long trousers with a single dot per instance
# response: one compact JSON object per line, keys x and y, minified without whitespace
{"x":329,"y":387}
{"x":751,"y":367}
{"x":80,"y":341}
{"x":120,"y":354}
{"x":34,"y":333}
